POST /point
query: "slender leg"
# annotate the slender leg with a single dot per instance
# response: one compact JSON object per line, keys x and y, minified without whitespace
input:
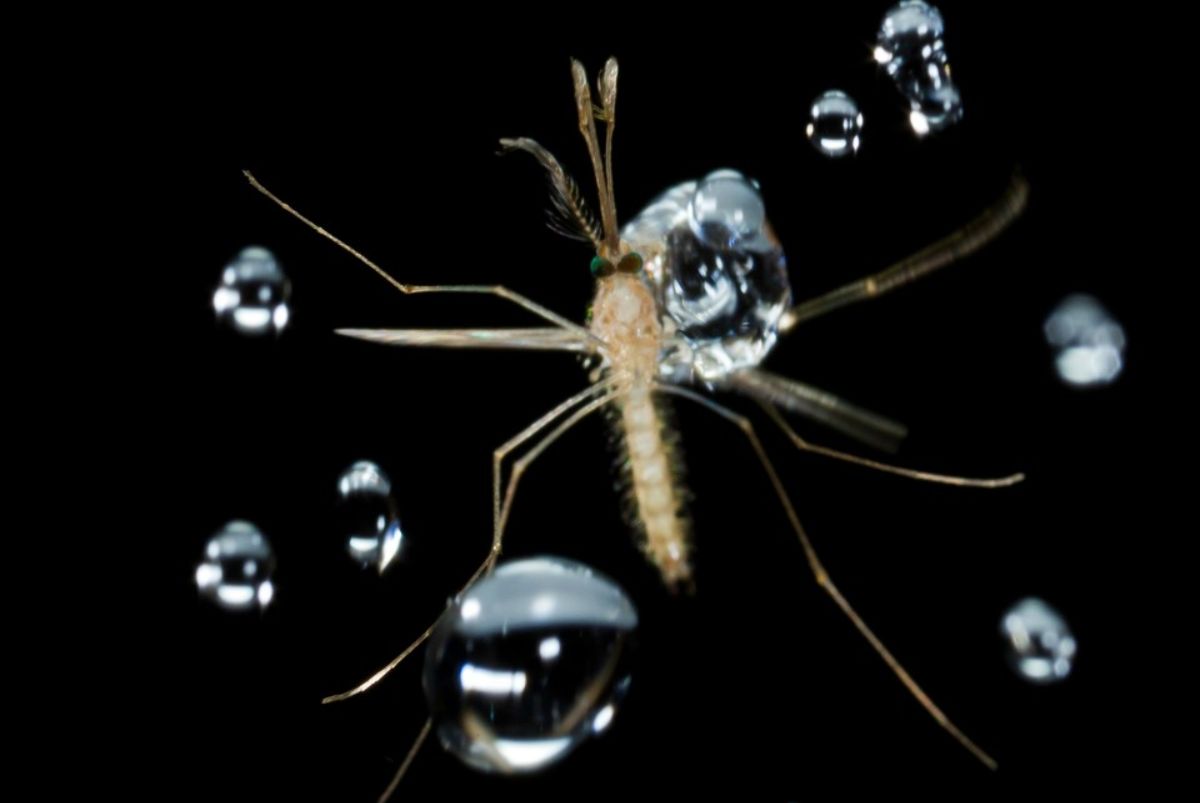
{"x":966,"y":240}
{"x":408,"y":760}
{"x":497,"y":536}
{"x":822,"y":576}
{"x":966,"y":482}
{"x":495,"y":290}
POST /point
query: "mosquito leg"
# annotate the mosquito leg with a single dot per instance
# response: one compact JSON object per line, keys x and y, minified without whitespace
{"x":529,"y":432}
{"x":822,"y":576}
{"x":927,"y":476}
{"x":407,"y":289}
{"x":408,"y":760}
{"x":966,"y":240}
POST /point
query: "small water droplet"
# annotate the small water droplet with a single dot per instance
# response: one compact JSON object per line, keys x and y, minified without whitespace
{"x":1041,"y":647}
{"x":367,"y":515}
{"x":726,"y":209}
{"x":910,"y":31}
{"x":237,"y":568}
{"x":835,"y":124}
{"x":252,"y":297}
{"x":911,"y":49}
{"x":1090,"y":344}
{"x":528,"y":663}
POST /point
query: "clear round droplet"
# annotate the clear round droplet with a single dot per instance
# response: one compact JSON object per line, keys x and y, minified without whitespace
{"x":1089,"y":343}
{"x":252,"y":297}
{"x":835,"y":124}
{"x":237,"y":568}
{"x":726,"y":209}
{"x":528,"y":663}
{"x":1041,"y":647}
{"x":910,"y":31}
{"x":723,"y":296}
{"x":368,"y":516}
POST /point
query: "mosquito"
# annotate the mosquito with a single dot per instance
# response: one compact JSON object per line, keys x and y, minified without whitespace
{"x":644,"y":345}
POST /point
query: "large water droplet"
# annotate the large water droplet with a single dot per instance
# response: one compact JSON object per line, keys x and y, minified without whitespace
{"x":1089,"y":343}
{"x":253,"y":294}
{"x":835,"y":124}
{"x":1041,"y":647}
{"x":237,"y":567}
{"x":723,"y":294}
{"x":368,"y":517}
{"x":528,"y":663}
{"x":726,"y":209}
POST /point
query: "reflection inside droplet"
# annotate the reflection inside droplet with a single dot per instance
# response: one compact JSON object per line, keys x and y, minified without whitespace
{"x":1090,"y":344}
{"x":237,"y":568}
{"x":911,"y":50}
{"x":835,"y":124}
{"x":529,"y":663}
{"x":1041,"y":647}
{"x":367,"y":515}
{"x":252,"y":297}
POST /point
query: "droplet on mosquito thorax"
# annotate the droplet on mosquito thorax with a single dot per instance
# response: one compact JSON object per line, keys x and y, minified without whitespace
{"x":528,"y":663}
{"x":367,"y":516}
{"x":237,"y":567}
{"x":1041,"y":647}
{"x":834,"y":124}
{"x":252,"y":297}
{"x":1089,"y":343}
{"x":718,"y":271}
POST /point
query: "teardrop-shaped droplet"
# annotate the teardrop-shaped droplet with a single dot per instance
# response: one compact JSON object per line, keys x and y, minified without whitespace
{"x":911,"y":49}
{"x":1041,"y":647}
{"x":237,"y":568}
{"x":835,"y":124}
{"x":1090,"y":344}
{"x":528,"y":663}
{"x":367,"y":515}
{"x":727,"y":209}
{"x":252,"y":297}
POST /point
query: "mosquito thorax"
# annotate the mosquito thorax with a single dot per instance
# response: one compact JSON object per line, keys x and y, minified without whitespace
{"x":624,"y":313}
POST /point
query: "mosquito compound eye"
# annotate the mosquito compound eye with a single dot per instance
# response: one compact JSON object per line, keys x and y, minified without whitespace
{"x":602,"y":267}
{"x":630,"y":263}
{"x":528,"y":663}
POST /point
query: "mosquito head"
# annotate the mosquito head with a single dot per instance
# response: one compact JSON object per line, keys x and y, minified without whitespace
{"x":630,"y":262}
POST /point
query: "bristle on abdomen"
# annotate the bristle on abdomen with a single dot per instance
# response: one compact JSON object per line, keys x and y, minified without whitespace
{"x":655,"y":494}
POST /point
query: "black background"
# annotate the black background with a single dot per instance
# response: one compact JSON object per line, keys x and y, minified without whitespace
{"x":386,"y":134}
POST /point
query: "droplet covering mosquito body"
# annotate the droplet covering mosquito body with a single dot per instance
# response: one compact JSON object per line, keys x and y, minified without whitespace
{"x":691,"y":295}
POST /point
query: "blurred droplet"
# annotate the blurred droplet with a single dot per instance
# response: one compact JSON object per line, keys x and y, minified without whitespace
{"x":528,"y":663}
{"x":1041,"y":647}
{"x":1090,"y":344}
{"x":835,"y":124}
{"x":367,"y":515}
{"x":252,"y":297}
{"x":237,"y":568}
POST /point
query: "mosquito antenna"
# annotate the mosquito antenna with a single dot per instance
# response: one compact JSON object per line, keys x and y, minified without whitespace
{"x":587,"y":127}
{"x":573,"y":218}
{"x":606,"y":82}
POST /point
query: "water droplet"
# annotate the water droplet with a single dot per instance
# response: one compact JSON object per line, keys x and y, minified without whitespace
{"x":253,"y":294}
{"x":528,"y":663}
{"x":726,"y":209}
{"x":1090,"y":344}
{"x":237,"y":568}
{"x":835,"y":124}
{"x":368,"y":517}
{"x":911,"y":49}
{"x":723,"y":295}
{"x":1041,"y":647}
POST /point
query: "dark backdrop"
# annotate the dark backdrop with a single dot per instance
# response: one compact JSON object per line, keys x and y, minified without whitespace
{"x":386,"y":134}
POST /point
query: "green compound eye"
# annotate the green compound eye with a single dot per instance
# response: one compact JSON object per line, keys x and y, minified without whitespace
{"x":630,"y":263}
{"x":601,"y":267}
